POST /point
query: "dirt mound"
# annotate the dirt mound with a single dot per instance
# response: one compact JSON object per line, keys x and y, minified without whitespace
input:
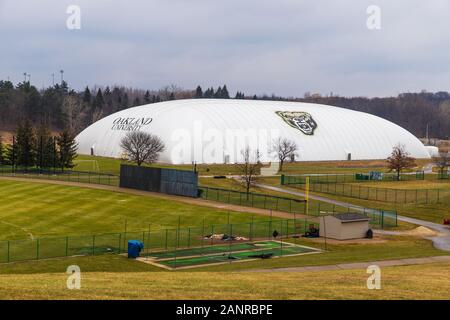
{"x":422,"y":232}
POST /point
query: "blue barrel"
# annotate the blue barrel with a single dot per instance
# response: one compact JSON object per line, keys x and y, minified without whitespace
{"x":134,"y":248}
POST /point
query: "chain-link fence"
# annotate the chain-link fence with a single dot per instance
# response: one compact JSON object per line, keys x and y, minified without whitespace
{"x":160,"y":240}
{"x":379,"y":217}
{"x":418,"y":196}
{"x":444,"y":175}
{"x":256,"y":200}
{"x":350,"y":177}
{"x":68,"y":175}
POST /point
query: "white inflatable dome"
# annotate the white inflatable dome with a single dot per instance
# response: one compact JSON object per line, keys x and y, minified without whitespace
{"x":217,"y":131}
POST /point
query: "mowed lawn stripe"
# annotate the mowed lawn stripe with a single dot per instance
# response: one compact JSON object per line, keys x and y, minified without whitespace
{"x":46,"y":209}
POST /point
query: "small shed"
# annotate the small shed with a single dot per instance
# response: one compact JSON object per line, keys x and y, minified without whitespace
{"x":344,"y":226}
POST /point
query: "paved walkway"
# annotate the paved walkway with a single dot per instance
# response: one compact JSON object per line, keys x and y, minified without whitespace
{"x":360,"y":265}
{"x":440,"y":241}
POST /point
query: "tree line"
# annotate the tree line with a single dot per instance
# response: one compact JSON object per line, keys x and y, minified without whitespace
{"x":59,"y":107}
{"x":38,"y":148}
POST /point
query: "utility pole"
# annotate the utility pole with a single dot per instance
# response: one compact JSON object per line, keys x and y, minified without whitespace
{"x":62,"y":75}
{"x":53,"y":79}
{"x":25,"y":77}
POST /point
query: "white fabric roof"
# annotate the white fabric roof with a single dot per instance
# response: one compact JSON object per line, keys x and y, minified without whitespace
{"x":216,"y":131}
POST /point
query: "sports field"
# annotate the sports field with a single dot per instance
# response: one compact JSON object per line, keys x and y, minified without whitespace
{"x":37,"y":209}
{"x":239,"y":252}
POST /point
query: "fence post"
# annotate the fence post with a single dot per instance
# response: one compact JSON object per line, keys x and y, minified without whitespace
{"x":166,"y":238}
{"x":189,"y":237}
{"x":287,"y":228}
{"x":93,"y":244}
{"x":37,"y":249}
{"x":120,"y":243}
{"x":382,"y":219}
{"x":67,"y":246}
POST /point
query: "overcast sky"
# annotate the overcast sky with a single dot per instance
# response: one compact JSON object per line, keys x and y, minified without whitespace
{"x":286,"y":47}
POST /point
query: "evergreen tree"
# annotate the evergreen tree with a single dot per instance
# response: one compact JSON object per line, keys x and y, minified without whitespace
{"x":198,"y":92}
{"x":11,"y":153}
{"x":67,"y":149}
{"x":239,"y":95}
{"x":218,"y":93}
{"x":64,"y":87}
{"x":2,"y":152}
{"x":147,"y":99}
{"x":107,"y":92}
{"x":137,"y":102}
{"x":44,"y":148}
{"x":172,"y":96}
{"x":209,"y":93}
{"x":224,"y":93}
{"x":31,"y":104}
{"x":26,"y":143}
{"x":99,"y":101}
{"x":125,"y":102}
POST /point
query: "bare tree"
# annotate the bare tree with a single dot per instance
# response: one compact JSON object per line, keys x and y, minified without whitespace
{"x":249,"y":168}
{"x":72,"y":108}
{"x":400,"y":159}
{"x":285,"y":149}
{"x":142,"y":147}
{"x":442,"y":162}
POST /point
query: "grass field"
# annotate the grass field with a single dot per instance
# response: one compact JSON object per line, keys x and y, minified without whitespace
{"x":111,"y":165}
{"x":434,"y":212}
{"x":43,"y":209}
{"x":403,"y":282}
{"x":386,"y":247}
